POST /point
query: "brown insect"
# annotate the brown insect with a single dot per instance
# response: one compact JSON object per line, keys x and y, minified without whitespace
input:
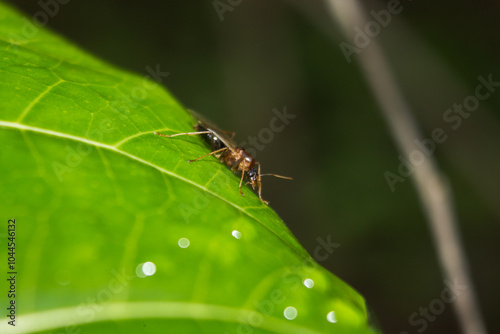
{"x":223,"y":147}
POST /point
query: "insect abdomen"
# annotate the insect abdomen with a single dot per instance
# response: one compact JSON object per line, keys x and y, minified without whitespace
{"x":210,"y":138}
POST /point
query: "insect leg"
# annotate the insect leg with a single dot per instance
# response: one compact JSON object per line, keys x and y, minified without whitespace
{"x":232,"y":133}
{"x":260,"y":185}
{"x":241,"y":181}
{"x":182,"y":134}
{"x":206,"y":155}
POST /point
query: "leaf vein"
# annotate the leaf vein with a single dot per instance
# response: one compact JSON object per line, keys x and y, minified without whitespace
{"x":35,"y":101}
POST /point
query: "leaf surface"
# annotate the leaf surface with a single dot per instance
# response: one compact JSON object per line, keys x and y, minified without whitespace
{"x":98,"y":198}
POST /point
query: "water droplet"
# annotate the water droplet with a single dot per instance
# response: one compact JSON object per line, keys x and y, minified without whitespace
{"x":309,"y":283}
{"x":236,"y":234}
{"x":138,"y":271}
{"x":145,"y":269}
{"x":183,"y":242}
{"x":63,"y":277}
{"x":290,"y":313}
{"x":149,"y":268}
{"x":331,"y":317}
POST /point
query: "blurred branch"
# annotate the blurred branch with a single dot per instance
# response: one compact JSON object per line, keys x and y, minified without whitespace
{"x":433,"y":190}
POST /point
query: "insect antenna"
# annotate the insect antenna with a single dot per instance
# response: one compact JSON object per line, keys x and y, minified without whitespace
{"x":280,"y":176}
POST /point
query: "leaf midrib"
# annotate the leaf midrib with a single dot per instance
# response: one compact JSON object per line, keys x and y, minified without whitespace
{"x":65,"y":317}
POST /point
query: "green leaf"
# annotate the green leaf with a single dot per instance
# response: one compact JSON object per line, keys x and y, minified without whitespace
{"x":95,"y":195}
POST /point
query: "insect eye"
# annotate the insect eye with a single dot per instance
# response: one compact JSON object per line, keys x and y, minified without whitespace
{"x":252,"y":173}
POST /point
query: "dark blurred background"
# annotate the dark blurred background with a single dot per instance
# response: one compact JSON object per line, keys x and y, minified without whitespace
{"x":271,"y":54}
